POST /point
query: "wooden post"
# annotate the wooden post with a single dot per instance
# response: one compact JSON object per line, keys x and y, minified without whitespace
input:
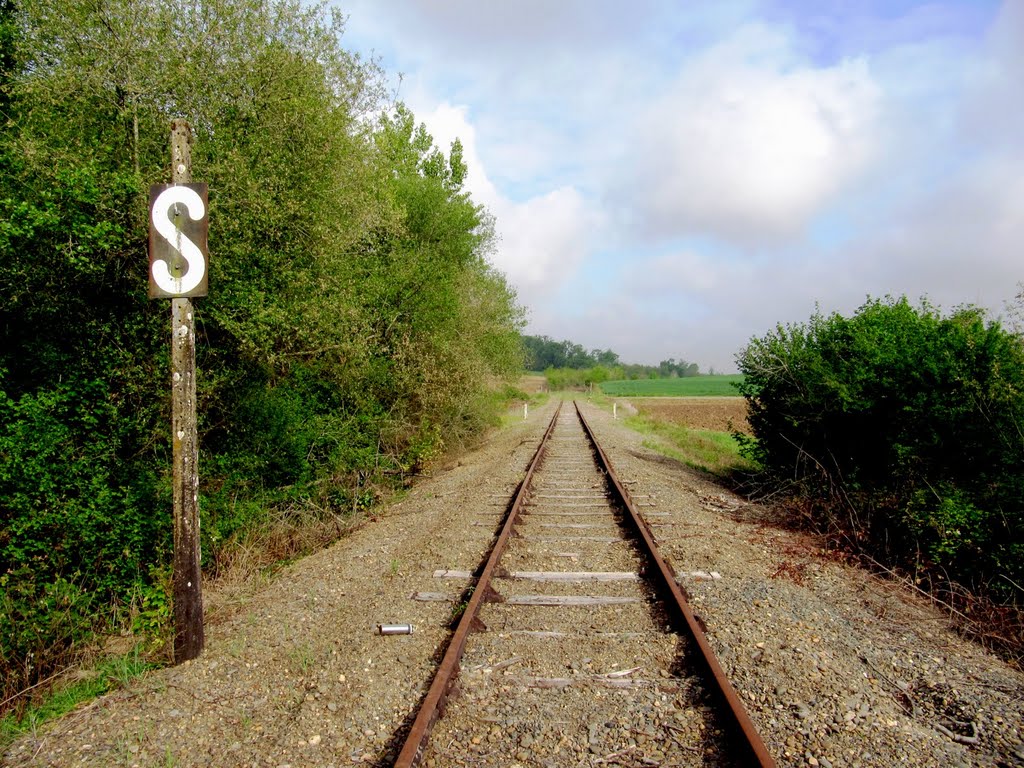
{"x":188,"y":595}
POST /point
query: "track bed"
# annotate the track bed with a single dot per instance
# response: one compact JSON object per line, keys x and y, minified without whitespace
{"x":575,"y":657}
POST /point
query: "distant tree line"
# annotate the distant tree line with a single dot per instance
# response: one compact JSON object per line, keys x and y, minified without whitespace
{"x":667,"y":369}
{"x":354,"y":327}
{"x":543,"y":353}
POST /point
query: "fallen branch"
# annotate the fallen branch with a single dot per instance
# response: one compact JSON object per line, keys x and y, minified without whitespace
{"x":614,"y":756}
{"x":621,"y":673}
{"x":959,"y":738}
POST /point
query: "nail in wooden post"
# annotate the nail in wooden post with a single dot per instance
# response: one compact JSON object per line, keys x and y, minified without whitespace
{"x":188,"y":595}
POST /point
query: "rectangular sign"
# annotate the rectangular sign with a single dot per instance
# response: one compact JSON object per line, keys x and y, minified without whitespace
{"x":178,"y":253}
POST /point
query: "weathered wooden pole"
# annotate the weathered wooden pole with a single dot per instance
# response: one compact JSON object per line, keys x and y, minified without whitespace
{"x":188,"y":594}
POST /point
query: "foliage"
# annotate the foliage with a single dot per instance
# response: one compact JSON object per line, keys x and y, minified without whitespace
{"x":707,"y":450}
{"x":903,"y":426}
{"x":153,"y":611}
{"x":578,"y":378}
{"x":543,"y":353}
{"x":692,"y":386}
{"x":670,"y":369}
{"x":354,"y":327}
{"x":39,"y":621}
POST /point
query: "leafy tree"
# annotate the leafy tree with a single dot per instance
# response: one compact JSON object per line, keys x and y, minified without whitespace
{"x":670,"y":369}
{"x":580,"y":378}
{"x":543,"y":352}
{"x":444,"y":317}
{"x":353,"y":329}
{"x":8,"y":41}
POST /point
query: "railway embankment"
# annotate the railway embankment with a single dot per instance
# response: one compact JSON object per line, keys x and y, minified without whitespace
{"x":836,"y":667}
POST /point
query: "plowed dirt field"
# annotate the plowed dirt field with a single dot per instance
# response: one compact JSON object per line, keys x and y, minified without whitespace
{"x":722,"y":414}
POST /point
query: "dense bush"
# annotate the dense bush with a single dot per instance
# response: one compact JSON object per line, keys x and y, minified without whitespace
{"x":579,"y":378}
{"x":353,"y":327}
{"x":905,"y":429}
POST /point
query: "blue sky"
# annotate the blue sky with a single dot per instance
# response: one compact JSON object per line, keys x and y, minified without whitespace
{"x":672,"y":178}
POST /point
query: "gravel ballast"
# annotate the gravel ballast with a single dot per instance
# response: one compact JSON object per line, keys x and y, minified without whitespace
{"x":836,"y":667}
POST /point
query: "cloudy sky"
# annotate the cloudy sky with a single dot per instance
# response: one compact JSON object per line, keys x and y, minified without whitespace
{"x":671,"y":178}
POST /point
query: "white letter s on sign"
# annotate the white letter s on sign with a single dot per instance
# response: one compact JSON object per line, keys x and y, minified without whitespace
{"x":163,"y":222}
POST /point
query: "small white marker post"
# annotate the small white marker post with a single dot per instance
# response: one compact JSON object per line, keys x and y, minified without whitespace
{"x":615,"y":410}
{"x":526,"y":410}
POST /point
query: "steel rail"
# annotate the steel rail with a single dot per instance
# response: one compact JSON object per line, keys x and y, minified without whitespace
{"x":448,"y":670}
{"x":754,"y":745}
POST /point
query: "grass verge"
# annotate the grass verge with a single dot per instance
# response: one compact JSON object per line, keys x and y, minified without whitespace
{"x":513,"y":413}
{"x":110,"y":674}
{"x":715,"y":452}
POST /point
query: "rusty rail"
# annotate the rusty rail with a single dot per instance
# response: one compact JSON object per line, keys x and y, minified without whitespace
{"x":751,"y":744}
{"x":751,"y":739}
{"x":448,"y":670}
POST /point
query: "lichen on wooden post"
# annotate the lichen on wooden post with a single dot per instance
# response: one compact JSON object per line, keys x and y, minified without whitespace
{"x":188,"y":596}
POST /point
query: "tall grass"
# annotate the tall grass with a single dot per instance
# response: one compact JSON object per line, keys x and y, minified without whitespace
{"x":110,"y":674}
{"x":707,"y":450}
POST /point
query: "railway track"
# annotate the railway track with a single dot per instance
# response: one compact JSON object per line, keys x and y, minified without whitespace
{"x":575,"y":644}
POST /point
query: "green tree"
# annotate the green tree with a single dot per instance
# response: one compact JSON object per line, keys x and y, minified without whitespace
{"x":8,"y":42}
{"x":445,"y":318}
{"x":353,"y":328}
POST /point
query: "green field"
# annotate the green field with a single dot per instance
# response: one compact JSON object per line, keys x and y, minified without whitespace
{"x":687,"y":386}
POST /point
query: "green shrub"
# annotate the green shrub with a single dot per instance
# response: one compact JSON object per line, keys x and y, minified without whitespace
{"x":908,"y":423}
{"x":153,"y":612}
{"x":78,"y":522}
{"x":69,"y":503}
{"x":579,"y":378}
{"x":42,"y":619}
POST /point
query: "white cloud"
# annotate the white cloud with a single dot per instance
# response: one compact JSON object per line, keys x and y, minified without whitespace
{"x":989,"y":112}
{"x":543,"y":239}
{"x":753,"y":180}
{"x":685,"y":273}
{"x":745,"y":145}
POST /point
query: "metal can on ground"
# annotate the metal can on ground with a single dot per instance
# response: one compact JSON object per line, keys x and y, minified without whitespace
{"x":394,"y":629}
